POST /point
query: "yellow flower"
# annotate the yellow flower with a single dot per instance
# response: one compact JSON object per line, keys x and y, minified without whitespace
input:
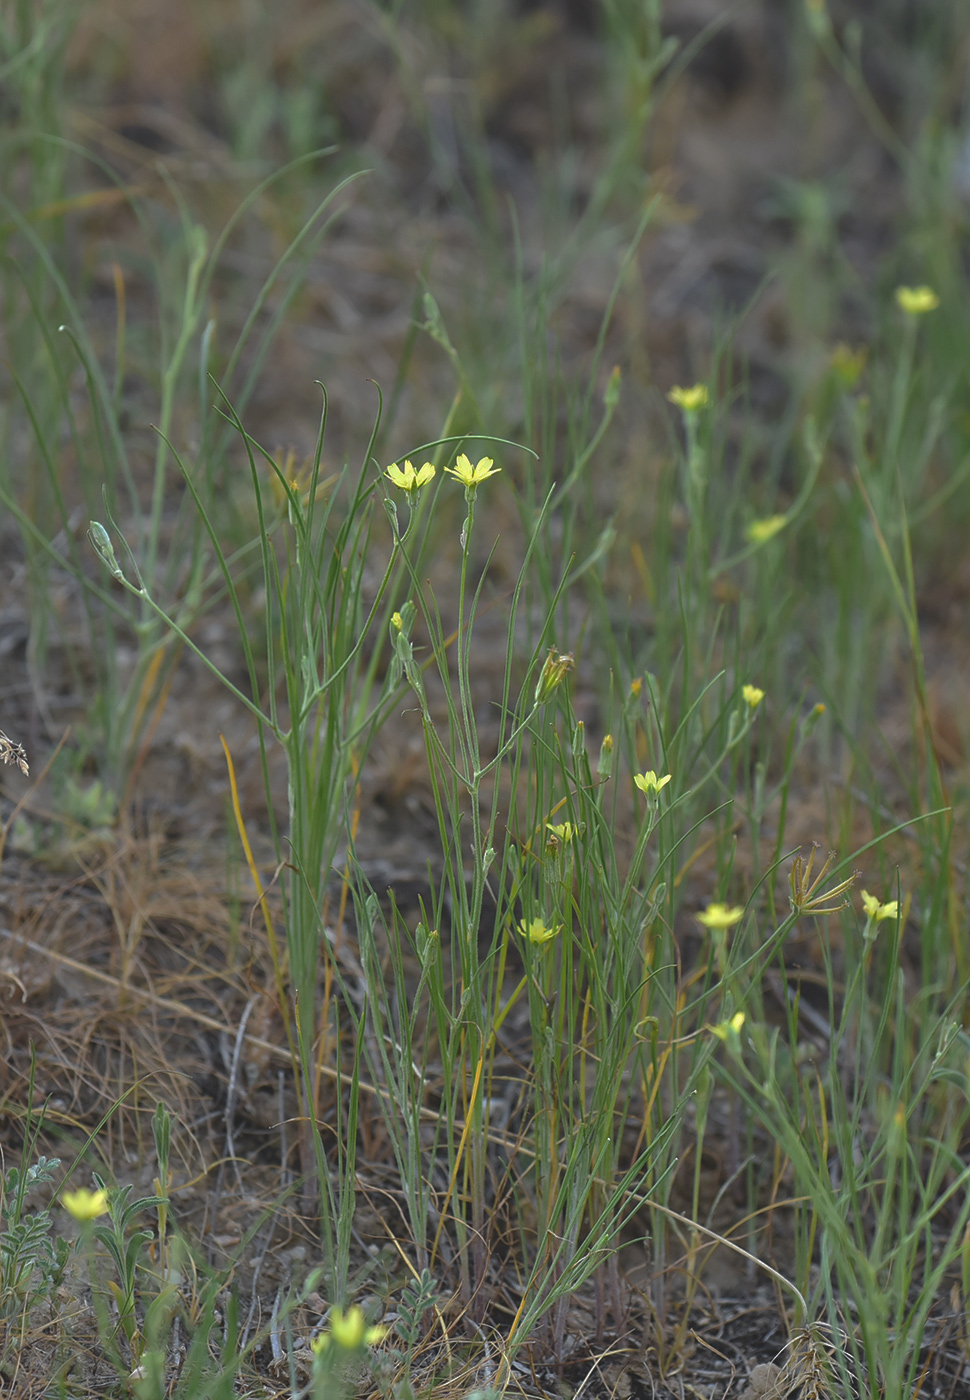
{"x":536,"y":931}
{"x":397,"y":621}
{"x":876,"y":912}
{"x":753,"y":696}
{"x":916,"y":301}
{"x":407,"y":478}
{"x":729,"y":1029}
{"x":470,"y":476}
{"x":84,"y":1204}
{"x":649,"y":782}
{"x":564,"y":831}
{"x":720,"y":916}
{"x":348,"y":1331}
{"x":760,"y":531}
{"x":690,"y":400}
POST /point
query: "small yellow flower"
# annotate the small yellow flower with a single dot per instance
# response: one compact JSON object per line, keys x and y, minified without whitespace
{"x":721,"y":916}
{"x":536,"y":931}
{"x":689,"y":400}
{"x":84,"y":1204}
{"x":649,"y":782}
{"x":472,"y":476}
{"x":563,"y":831}
{"x":348,"y":1331}
{"x":876,"y":912}
{"x":397,"y":621}
{"x":407,"y":478}
{"x":818,"y":709}
{"x":752,"y":695}
{"x":729,"y":1029}
{"x":916,"y":301}
{"x":761,"y":531}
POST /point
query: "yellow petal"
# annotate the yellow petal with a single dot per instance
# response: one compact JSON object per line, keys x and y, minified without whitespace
{"x":84,"y":1204}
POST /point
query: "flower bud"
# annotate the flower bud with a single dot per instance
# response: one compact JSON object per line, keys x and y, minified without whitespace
{"x":555,"y":669}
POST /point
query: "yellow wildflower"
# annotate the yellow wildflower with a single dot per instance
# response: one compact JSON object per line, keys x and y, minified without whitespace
{"x":916,"y":301}
{"x":397,"y":621}
{"x":752,"y":695}
{"x":720,"y":916}
{"x":472,"y":476}
{"x":536,"y":931}
{"x":761,"y":531}
{"x":407,"y":478}
{"x":649,"y":782}
{"x":729,"y":1029}
{"x":689,"y":400}
{"x":84,"y":1204}
{"x":876,"y":912}
{"x":563,"y":831}
{"x":348,"y":1331}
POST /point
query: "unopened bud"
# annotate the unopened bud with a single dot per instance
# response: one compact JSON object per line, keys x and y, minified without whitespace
{"x":611,"y":397}
{"x":555,"y":669}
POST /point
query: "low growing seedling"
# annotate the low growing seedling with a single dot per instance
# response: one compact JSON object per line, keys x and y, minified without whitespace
{"x":415,"y":1308}
{"x":32,"y":1262}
